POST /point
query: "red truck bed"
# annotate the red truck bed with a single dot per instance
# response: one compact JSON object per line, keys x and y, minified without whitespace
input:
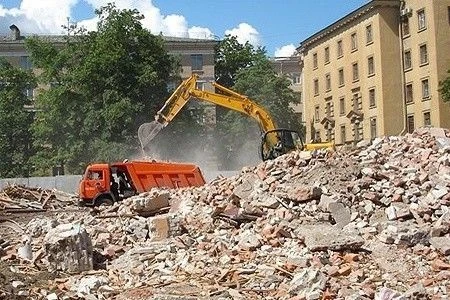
{"x":146,"y":175}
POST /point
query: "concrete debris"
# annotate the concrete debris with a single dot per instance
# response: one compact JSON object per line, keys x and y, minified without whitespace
{"x":442,"y":244}
{"x":320,"y":237}
{"x":89,"y":284}
{"x":368,"y":223}
{"x":145,"y":204}
{"x":69,"y":249}
{"x":25,"y":251}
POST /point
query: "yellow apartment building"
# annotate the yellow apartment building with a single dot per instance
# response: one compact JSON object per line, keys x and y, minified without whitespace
{"x":376,"y":71}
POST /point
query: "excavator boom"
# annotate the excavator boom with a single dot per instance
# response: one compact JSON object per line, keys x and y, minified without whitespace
{"x":227,"y":98}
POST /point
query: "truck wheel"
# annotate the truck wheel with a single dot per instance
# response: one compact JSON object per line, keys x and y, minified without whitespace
{"x":104,"y":201}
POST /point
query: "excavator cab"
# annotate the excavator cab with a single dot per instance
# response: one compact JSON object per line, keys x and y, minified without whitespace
{"x":277,"y":142}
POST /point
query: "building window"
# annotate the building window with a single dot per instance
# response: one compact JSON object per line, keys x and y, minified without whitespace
{"x":317,"y":137}
{"x":409,"y":93}
{"x":316,"y":114}
{"x":408,"y":60}
{"x":426,"y":119}
{"x":329,"y":107}
{"x":425,"y":89}
{"x":342,"y":106}
{"x":369,"y":34}
{"x":340,"y":49}
{"x":343,"y":135}
{"x":300,"y":97}
{"x":296,"y":79}
{"x":423,"y":54}
{"x":373,"y":128}
{"x":422,"y":19}
{"x":341,"y":77}
{"x":358,"y":132}
{"x":410,"y":123}
{"x":405,"y":27}
{"x":199,"y":85}
{"x":355,"y":72}
{"x":316,"y":87}
{"x":354,"y":39}
{"x":197,"y":62}
{"x":329,"y":134}
{"x":356,"y":102}
{"x":327,"y":55}
{"x":372,"y":100}
{"x":370,"y":66}
{"x":328,"y":82}
{"x":448,"y":8}
{"x":315,"y":62}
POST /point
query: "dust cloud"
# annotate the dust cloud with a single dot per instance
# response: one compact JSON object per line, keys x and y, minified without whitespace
{"x":205,"y":152}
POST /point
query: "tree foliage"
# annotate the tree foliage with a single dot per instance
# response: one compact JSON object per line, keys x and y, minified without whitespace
{"x":231,"y":57}
{"x":15,"y":134}
{"x":258,"y":80}
{"x":445,"y":88}
{"x":99,"y":87}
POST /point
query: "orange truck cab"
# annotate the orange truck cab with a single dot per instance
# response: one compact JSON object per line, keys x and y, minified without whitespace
{"x":108,"y":183}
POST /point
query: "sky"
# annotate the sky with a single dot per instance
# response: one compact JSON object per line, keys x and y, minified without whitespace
{"x":280,"y":28}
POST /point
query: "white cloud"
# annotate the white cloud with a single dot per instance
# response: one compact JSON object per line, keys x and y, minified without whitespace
{"x":90,"y":24}
{"x":175,"y":25}
{"x":200,"y":33}
{"x":5,"y":11}
{"x":47,"y":16}
{"x":285,"y":51}
{"x":245,"y":33}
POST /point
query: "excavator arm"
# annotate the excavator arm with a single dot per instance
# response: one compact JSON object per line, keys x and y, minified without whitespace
{"x":228,"y":99}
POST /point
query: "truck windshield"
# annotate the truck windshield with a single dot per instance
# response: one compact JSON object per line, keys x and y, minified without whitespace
{"x":94,"y":175}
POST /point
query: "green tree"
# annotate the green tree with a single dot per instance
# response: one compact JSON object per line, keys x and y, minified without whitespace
{"x":15,"y":134}
{"x":261,"y":84}
{"x":248,"y":71}
{"x":100,"y":86}
{"x":445,"y":88}
{"x":231,"y":57}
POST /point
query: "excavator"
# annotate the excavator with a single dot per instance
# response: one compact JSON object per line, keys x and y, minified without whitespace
{"x":274,"y":141}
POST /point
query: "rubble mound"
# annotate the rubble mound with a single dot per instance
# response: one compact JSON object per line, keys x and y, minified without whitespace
{"x":16,"y":198}
{"x":369,"y":223}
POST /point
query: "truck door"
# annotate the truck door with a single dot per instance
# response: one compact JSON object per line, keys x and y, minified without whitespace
{"x":95,"y":183}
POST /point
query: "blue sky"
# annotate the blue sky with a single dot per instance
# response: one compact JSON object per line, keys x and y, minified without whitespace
{"x":278,"y":27}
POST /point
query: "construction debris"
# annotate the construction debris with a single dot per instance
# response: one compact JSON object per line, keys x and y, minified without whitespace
{"x":19,"y":199}
{"x":68,"y":248}
{"x":370,"y":223}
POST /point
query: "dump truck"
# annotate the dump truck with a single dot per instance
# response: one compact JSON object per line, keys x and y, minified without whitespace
{"x":108,"y":183}
{"x":274,"y":141}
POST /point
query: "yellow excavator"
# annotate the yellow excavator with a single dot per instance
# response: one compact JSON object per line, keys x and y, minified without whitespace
{"x":274,"y":141}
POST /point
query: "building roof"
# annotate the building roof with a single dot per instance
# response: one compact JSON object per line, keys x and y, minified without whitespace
{"x":363,"y":10}
{"x":187,"y":40}
{"x":59,"y":38}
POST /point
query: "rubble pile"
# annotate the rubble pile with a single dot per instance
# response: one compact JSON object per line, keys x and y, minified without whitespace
{"x":370,"y":223}
{"x":16,"y":198}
